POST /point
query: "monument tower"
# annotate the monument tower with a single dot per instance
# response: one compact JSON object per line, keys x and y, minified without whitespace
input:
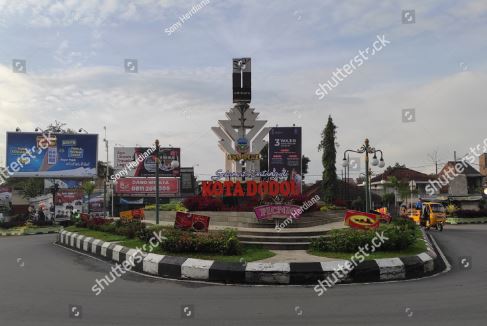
{"x":241,"y":135}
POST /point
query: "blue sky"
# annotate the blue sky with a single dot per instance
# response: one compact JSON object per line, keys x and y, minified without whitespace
{"x":75,"y":51}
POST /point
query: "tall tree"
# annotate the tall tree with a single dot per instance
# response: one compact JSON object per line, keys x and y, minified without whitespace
{"x":327,"y":144}
{"x":88,"y":188}
{"x":305,"y":163}
{"x":29,"y":187}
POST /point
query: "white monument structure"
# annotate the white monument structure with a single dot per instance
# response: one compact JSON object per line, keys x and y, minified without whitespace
{"x":241,"y":136}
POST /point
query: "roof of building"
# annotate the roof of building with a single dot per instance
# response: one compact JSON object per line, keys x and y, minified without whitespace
{"x":402,"y":174}
{"x":468,"y":169}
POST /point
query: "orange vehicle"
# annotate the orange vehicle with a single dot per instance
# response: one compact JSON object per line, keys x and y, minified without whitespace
{"x":429,"y":214}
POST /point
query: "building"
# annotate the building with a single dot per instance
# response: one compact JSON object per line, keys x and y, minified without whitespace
{"x":413,"y":181}
{"x":463,"y":187}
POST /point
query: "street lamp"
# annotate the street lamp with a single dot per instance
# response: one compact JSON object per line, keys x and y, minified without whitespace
{"x":367,"y":149}
{"x":106,"y":176}
{"x":82,"y":130}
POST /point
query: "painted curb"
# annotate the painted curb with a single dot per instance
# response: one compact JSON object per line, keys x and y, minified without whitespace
{"x":174,"y":267}
{"x":455,"y":221}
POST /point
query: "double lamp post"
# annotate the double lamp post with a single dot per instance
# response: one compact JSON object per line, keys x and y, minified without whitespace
{"x":366,"y":149}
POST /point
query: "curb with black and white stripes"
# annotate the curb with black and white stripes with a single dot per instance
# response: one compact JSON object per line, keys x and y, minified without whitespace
{"x":173,"y":267}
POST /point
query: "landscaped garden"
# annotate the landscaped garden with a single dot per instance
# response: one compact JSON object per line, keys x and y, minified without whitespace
{"x":18,"y":225}
{"x":404,"y":239}
{"x":215,"y":245}
{"x":459,"y":216}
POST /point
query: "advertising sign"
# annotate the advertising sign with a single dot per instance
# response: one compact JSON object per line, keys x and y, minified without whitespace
{"x":276,"y":211}
{"x":242,"y":80}
{"x":132,"y":214}
{"x":285,"y":152}
{"x":187,"y":181}
{"x":188,"y":221}
{"x":65,"y":196}
{"x":361,"y":220}
{"x":62,"y":183}
{"x":141,"y":162}
{"x":248,"y":188}
{"x":52,"y":156}
{"x":146,"y":186}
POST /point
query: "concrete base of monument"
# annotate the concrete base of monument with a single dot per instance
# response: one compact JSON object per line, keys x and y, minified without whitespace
{"x":270,"y":238}
{"x":248,"y":219}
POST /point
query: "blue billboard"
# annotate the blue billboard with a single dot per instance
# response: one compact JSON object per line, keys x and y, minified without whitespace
{"x":52,"y":155}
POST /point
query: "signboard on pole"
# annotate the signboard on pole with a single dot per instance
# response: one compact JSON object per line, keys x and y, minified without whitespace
{"x":141,"y":187}
{"x":140,"y":162}
{"x":285,"y":151}
{"x":55,"y":155}
{"x":188,"y":221}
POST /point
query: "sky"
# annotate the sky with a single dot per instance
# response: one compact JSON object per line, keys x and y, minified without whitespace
{"x":75,"y":52}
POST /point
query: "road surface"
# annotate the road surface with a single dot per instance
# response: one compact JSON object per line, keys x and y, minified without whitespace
{"x":39,"y":281}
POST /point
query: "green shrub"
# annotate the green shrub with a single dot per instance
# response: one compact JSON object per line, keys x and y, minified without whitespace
{"x":221,"y":242}
{"x":401,"y":233}
{"x":128,"y":229}
{"x":175,"y":207}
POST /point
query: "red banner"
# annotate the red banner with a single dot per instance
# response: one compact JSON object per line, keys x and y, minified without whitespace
{"x":65,"y":196}
{"x":147,"y":186}
{"x":188,"y":221}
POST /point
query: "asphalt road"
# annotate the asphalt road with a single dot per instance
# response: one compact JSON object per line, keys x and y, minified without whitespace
{"x":38,"y":282}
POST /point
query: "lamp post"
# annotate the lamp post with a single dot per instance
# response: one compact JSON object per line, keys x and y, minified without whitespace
{"x":157,"y":181}
{"x":366,"y":149}
{"x":106,"y":176}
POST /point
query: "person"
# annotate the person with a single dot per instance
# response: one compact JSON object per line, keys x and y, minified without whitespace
{"x":41,"y":216}
{"x":425,"y":216}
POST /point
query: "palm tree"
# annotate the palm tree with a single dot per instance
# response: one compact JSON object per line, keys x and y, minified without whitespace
{"x":88,"y":188}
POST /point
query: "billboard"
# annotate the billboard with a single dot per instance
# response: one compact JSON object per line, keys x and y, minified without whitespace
{"x":62,"y":183}
{"x":285,"y":151}
{"x":187,"y":181}
{"x":141,"y":187}
{"x":140,"y":162}
{"x":54,"y":155}
{"x":241,"y":78}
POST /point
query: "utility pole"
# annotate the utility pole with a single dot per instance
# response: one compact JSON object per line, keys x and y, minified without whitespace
{"x":434,"y":157}
{"x":157,"y":181}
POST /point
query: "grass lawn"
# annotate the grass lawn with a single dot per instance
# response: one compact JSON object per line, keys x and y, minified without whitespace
{"x":418,"y":247}
{"x":250,"y":253}
{"x":34,"y":229}
{"x":108,"y":237}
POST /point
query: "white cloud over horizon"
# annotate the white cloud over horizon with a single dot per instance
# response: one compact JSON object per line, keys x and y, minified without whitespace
{"x":75,"y":52}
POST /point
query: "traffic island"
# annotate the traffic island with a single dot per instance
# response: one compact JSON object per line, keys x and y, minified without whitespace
{"x":183,"y":268}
